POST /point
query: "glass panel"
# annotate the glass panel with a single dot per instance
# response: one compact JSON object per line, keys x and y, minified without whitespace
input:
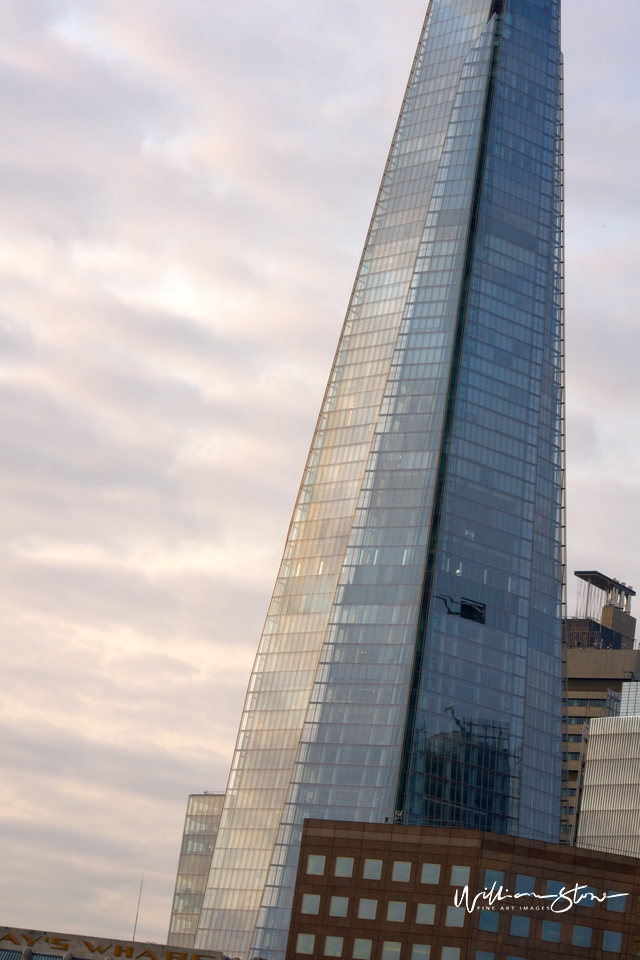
{"x":617,"y":901}
{"x":315,"y":864}
{"x":430,"y":873}
{"x":551,"y":931}
{"x":310,"y":903}
{"x":344,"y":867}
{"x":520,"y":926}
{"x":305,"y":943}
{"x":450,"y":953}
{"x":581,"y":937}
{"x":555,"y":887}
{"x":367,"y":909}
{"x":493,"y":878}
{"x":401,"y":870}
{"x":362,"y":949}
{"x":612,"y":941}
{"x":425,"y":913}
{"x":460,"y":876}
{"x":485,"y":955}
{"x":489,"y":921}
{"x":390,"y":950}
{"x":525,"y":884}
{"x":420,"y":951}
{"x":333,"y":946}
{"x":455,"y":917}
{"x":396,"y":910}
{"x":339,"y":906}
{"x":372,"y":869}
{"x":586,"y":896}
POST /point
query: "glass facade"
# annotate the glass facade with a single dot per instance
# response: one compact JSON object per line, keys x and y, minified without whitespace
{"x":409,"y":669}
{"x":198,"y":840}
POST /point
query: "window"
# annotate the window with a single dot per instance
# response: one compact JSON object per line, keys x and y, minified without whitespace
{"x":574,"y":720}
{"x":576,"y":703}
{"x":581,"y":937}
{"x":372,"y":870}
{"x":460,"y":876}
{"x":586,"y":896}
{"x":339,"y":906}
{"x":344,"y":867}
{"x":310,"y":903}
{"x":420,"y":951}
{"x":551,"y":931}
{"x":489,"y":921}
{"x":430,"y":873}
{"x":520,"y":926}
{"x":596,"y":703}
{"x":525,"y":884}
{"x":367,"y":909}
{"x":362,"y":949}
{"x":617,"y":901}
{"x":425,"y":913}
{"x":568,"y":791}
{"x":401,"y":871}
{"x":555,"y":887}
{"x":485,"y":955}
{"x":390,"y":950}
{"x":333,"y":946}
{"x":396,"y":910}
{"x":493,"y":877}
{"x":315,"y":864}
{"x":612,"y":941}
{"x":567,"y":811}
{"x":450,"y":953}
{"x":572,"y":737}
{"x":455,"y":917}
{"x":305,"y":943}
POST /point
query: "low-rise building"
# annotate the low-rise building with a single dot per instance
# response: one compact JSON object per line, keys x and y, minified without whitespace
{"x":17,"y":943}
{"x":368,"y":891}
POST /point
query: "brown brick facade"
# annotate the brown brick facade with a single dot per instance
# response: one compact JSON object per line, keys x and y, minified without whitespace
{"x":369,"y":932}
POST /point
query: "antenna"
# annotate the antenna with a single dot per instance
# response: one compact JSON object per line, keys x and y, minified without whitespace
{"x":135,"y":926}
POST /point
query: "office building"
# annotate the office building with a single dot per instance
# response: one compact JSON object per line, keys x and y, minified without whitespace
{"x":630,"y":699}
{"x":16,"y":943}
{"x":198,"y":840}
{"x":384,"y":892}
{"x":410,"y":667}
{"x":599,"y":659}
{"x":610,"y":804}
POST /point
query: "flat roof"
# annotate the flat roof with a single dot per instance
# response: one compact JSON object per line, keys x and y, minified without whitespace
{"x":603,"y":583}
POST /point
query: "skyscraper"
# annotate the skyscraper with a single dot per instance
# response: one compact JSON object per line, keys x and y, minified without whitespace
{"x":409,"y":668}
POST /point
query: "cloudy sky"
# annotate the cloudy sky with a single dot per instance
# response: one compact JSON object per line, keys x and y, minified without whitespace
{"x":185,"y":189}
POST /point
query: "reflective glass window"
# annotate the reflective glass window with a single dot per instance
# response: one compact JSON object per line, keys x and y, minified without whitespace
{"x":372,"y":869}
{"x":315,"y":864}
{"x":367,"y":909}
{"x":586,"y":896}
{"x":551,"y":931}
{"x":617,"y":901}
{"x":450,"y":953}
{"x":525,"y":884}
{"x":401,"y":870}
{"x":333,"y":946}
{"x":520,"y":926}
{"x":305,"y":943}
{"x":362,"y":949}
{"x":460,"y":876}
{"x":420,"y":951}
{"x":612,"y":941}
{"x":581,"y":936}
{"x":396,"y":910}
{"x":489,"y":921}
{"x":344,"y":867}
{"x":339,"y":906}
{"x":455,"y":917}
{"x":425,"y":913}
{"x":310,"y":903}
{"x":555,"y":887}
{"x":430,"y":873}
{"x":390,"y":950}
{"x":485,"y":955}
{"x":493,"y":878}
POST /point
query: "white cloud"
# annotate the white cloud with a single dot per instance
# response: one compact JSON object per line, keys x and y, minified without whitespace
{"x":185,"y":187}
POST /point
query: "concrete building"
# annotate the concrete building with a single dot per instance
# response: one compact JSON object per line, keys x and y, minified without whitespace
{"x":610,"y":804}
{"x":598,"y":661}
{"x":17,"y":943}
{"x":198,"y":841}
{"x":392,"y":892}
